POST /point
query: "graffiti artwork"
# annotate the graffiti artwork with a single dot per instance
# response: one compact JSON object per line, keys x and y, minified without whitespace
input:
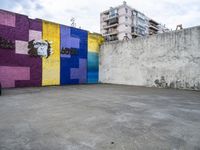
{"x":39,"y":48}
{"x":68,"y":51}
{"x":6,"y":44}
{"x":26,"y":58}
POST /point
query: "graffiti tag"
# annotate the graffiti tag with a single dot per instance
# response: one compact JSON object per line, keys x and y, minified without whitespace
{"x":6,"y":44}
{"x":68,"y":51}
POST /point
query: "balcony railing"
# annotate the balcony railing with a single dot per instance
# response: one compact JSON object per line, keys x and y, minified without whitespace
{"x":113,"y":15}
{"x":111,"y":38}
{"x":136,"y":31}
{"x":113,"y":21}
{"x":152,"y":32}
{"x":111,"y":32}
{"x":106,"y":18}
{"x":153,"y":22}
{"x":154,"y":27}
{"x":110,"y":26}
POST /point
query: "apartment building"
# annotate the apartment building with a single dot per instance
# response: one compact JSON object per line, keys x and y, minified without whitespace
{"x":124,"y":22}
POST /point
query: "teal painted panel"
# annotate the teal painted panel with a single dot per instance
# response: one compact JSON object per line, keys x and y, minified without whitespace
{"x":93,"y":67}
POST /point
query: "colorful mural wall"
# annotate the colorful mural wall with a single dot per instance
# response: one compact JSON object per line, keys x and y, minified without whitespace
{"x":73,"y":55}
{"x":41,"y":53}
{"x":51,"y":65}
{"x":94,"y":43}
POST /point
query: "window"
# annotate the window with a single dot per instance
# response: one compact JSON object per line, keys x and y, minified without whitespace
{"x":126,"y":9}
{"x":142,"y":16}
{"x":141,"y":22}
{"x":113,"y":12}
{"x":141,"y":27}
{"x":141,"y":31}
{"x":126,"y":18}
{"x":126,"y":25}
{"x":134,"y":13}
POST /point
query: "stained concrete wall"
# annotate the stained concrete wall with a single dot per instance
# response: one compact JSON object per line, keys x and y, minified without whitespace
{"x":164,"y":60}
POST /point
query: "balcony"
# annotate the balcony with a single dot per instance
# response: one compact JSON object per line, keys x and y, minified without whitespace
{"x":137,"y":31}
{"x":106,"y":18}
{"x":151,"y":32}
{"x":153,"y":27}
{"x":134,"y":34}
{"x":110,"y":26}
{"x":113,"y":21}
{"x":113,"y":15}
{"x":114,"y":38}
{"x":111,"y":32}
{"x":111,"y":38}
{"x":153,"y":22}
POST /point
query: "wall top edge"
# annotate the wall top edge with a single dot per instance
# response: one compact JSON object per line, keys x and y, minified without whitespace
{"x":153,"y":36}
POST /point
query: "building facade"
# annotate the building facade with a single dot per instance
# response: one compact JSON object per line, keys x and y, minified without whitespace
{"x":124,"y":22}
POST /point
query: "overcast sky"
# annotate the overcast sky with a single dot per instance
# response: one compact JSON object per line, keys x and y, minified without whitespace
{"x":87,"y":12}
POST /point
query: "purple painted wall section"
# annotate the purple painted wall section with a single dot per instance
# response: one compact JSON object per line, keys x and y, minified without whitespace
{"x":75,"y":72}
{"x":10,"y":74}
{"x":19,"y":58}
{"x":35,"y":24}
{"x":7,"y":19}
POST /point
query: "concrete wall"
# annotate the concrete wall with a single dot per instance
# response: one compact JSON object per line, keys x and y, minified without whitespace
{"x":164,"y":60}
{"x":19,"y":69}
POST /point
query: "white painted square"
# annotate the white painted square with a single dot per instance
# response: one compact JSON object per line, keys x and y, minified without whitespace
{"x":35,"y":35}
{"x":21,"y":47}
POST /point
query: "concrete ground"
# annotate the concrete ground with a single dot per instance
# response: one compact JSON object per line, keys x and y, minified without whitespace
{"x":99,"y":117}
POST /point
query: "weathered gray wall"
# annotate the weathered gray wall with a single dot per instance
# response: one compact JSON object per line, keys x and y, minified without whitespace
{"x":163,"y":60}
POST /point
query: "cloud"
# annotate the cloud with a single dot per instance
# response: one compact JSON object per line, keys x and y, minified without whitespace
{"x":38,"y":7}
{"x":87,"y":12}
